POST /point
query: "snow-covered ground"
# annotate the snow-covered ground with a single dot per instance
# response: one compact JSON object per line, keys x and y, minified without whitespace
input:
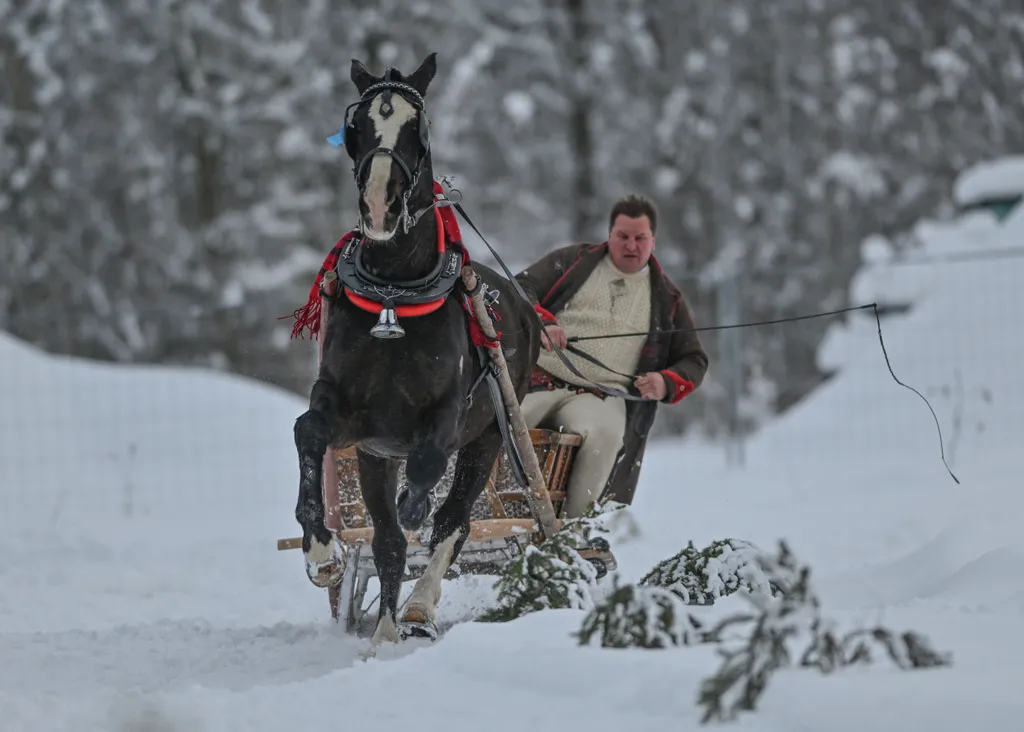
{"x":141,"y":589}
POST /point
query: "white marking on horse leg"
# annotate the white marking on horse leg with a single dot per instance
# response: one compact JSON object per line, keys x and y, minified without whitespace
{"x":386,"y":632}
{"x":426,"y":593}
{"x":387,"y":130}
{"x":324,"y":562}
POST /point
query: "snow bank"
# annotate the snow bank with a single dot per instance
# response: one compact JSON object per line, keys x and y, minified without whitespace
{"x":136,"y":493}
{"x":94,"y":442}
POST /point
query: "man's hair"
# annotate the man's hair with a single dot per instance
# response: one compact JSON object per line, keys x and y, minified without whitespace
{"x":634,"y":206}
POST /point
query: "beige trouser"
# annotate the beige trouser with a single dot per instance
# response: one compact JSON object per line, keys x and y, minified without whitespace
{"x":601,"y":422}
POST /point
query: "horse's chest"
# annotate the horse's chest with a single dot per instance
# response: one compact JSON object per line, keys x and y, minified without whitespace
{"x":382,"y":387}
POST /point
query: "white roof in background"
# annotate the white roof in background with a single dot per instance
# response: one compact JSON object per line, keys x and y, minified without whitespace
{"x":997,"y":178}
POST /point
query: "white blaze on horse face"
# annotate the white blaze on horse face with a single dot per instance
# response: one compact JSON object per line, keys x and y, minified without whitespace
{"x":386,"y":129}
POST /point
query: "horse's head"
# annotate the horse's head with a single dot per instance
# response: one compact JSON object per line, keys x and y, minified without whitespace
{"x":388,"y":138}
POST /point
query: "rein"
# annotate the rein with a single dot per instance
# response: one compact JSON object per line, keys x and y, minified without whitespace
{"x":427,"y":294}
{"x":448,"y":230}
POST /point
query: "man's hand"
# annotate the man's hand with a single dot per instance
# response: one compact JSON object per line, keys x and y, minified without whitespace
{"x":651,"y":386}
{"x":556,"y":334}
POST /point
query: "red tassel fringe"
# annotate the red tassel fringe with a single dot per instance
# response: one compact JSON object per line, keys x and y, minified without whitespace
{"x":308,"y":316}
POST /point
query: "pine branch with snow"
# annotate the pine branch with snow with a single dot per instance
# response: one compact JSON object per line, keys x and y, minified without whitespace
{"x":638,"y":616}
{"x":908,"y":650}
{"x":552,"y":575}
{"x":747,"y":664}
{"x":699,"y":577}
{"x":745,"y":670}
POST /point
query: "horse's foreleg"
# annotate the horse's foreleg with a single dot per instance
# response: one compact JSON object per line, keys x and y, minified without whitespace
{"x":378,"y":482}
{"x":426,"y":464}
{"x":451,"y":528}
{"x":315,"y":431}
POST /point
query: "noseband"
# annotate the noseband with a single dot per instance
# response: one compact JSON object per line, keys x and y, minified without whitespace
{"x":386,"y":89}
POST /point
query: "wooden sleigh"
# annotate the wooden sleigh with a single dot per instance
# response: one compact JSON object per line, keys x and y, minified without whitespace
{"x":506,"y":518}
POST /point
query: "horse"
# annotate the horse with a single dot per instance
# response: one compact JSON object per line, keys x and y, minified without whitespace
{"x":398,"y":384}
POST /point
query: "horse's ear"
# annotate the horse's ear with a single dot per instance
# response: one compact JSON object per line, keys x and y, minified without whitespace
{"x":420,"y":78}
{"x":362,"y":78}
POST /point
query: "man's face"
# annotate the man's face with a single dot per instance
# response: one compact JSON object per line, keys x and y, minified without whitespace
{"x":630,"y":242}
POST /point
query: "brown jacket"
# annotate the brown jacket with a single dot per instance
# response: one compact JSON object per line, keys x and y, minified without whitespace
{"x":678,"y":356}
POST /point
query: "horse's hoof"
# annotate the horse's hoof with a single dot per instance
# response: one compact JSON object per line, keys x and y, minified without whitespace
{"x":407,"y":630}
{"x":325,"y":575}
{"x":413,"y":509}
{"x":325,"y":563}
{"x":417,"y":623}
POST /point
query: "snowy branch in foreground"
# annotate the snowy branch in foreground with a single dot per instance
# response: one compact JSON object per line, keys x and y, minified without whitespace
{"x":653,"y":613}
{"x":746,"y":666}
{"x":743,"y":676}
{"x":785,"y":610}
{"x":699,"y":577}
{"x":550,"y":576}
{"x":637,"y":616}
{"x":907,"y":650}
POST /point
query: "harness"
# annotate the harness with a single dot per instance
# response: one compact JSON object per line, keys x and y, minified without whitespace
{"x":391,"y":299}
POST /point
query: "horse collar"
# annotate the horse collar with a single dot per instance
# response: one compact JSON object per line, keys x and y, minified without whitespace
{"x":392,"y":299}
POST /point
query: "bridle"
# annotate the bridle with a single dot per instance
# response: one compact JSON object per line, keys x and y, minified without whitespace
{"x":385,"y":89}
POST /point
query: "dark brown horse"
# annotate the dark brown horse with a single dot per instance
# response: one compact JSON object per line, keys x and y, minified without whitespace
{"x":398,"y":365}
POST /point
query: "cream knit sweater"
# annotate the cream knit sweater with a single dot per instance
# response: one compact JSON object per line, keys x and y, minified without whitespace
{"x":610,"y":301}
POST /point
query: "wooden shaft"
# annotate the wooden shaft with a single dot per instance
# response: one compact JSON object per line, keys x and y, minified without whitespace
{"x":540,"y":501}
{"x":483,"y":530}
{"x":329,"y":469}
{"x":330,"y":283}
